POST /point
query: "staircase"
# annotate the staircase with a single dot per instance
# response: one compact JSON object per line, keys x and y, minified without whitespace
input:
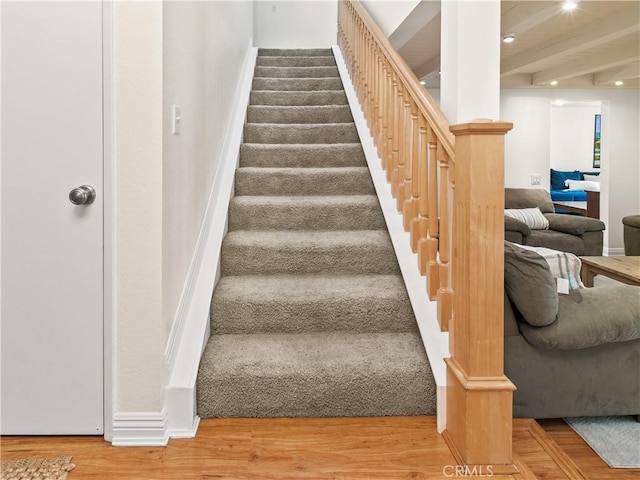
{"x":310,"y":317}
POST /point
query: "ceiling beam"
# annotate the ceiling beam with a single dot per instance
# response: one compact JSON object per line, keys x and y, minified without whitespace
{"x":627,"y":72}
{"x":527,"y":15}
{"x":429,"y":69}
{"x":598,"y":32}
{"x":425,"y":13}
{"x":597,"y":63}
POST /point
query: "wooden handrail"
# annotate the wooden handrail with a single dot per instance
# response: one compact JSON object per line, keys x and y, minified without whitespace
{"x":425,"y":103}
{"x":449,"y":185}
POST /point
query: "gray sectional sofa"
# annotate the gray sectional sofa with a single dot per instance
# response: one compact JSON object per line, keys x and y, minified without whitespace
{"x":569,"y":355}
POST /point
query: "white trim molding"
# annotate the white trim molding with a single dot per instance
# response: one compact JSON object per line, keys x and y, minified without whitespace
{"x":614,"y":252}
{"x":190,"y":331}
{"x":436,"y":342}
{"x":136,"y":429}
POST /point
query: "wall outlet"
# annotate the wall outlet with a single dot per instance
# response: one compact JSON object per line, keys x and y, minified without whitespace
{"x":536,"y":179}
{"x":177,"y":118}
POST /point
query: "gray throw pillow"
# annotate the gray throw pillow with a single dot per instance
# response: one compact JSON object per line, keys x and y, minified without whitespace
{"x":530,"y":285}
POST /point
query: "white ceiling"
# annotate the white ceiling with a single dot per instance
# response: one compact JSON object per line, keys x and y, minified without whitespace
{"x":591,"y":46}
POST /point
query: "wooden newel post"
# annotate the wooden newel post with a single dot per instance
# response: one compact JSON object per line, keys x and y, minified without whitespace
{"x":479,"y":396}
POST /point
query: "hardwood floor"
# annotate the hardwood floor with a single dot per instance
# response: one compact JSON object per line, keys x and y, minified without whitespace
{"x":320,"y":449}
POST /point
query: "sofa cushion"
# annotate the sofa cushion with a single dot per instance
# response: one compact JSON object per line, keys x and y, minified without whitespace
{"x":556,"y":240}
{"x":558,"y":177}
{"x":589,"y":317}
{"x":574,"y":224}
{"x":532,"y":217}
{"x":528,"y":198}
{"x":530,"y":285}
{"x":582,"y":185}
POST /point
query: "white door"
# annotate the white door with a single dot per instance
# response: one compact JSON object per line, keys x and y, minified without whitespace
{"x":52,"y":282}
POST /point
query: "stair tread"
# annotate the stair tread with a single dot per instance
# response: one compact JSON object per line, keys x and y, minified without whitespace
{"x":306,"y":200}
{"x":295,"y":52}
{"x":315,"y":181}
{"x":273,"y":155}
{"x":308,"y":240}
{"x":315,"y":374}
{"x":320,"y":352}
{"x":303,"y":288}
{"x":311,"y":303}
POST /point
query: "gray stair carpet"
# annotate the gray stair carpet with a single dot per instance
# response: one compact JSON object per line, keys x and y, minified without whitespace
{"x":310,"y":317}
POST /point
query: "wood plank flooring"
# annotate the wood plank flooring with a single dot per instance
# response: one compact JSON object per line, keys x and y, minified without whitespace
{"x":321,"y":449}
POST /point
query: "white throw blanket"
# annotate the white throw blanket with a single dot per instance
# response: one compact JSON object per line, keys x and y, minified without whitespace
{"x":563,"y":265}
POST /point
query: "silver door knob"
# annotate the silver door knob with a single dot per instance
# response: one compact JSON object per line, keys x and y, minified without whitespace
{"x":83,"y":195}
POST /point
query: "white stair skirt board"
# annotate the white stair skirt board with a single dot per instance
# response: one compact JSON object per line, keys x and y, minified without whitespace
{"x":435,"y":342}
{"x":190,"y":330}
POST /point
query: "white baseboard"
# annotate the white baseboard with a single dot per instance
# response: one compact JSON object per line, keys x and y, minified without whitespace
{"x":140,"y":429}
{"x":614,"y":252}
{"x":436,"y":342}
{"x":190,"y":330}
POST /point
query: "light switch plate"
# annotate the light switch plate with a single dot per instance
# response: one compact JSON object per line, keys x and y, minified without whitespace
{"x":536,"y":179}
{"x":177,"y":117}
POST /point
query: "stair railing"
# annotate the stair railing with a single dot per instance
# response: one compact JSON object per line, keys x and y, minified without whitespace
{"x":448,"y":181}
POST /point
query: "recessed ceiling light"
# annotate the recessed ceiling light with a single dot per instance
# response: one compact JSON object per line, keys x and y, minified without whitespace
{"x":422,"y":82}
{"x":558,"y":103}
{"x":569,"y":5}
{"x":618,"y":83}
{"x":509,"y":38}
{"x":553,"y":82}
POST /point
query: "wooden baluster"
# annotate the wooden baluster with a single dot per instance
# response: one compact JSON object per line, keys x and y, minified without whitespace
{"x":410,"y":206}
{"x":426,"y":200}
{"x":397,"y":138}
{"x":422,"y":209}
{"x":382,"y":78}
{"x":388,"y":117}
{"x":405,"y":140}
{"x":444,"y":294}
{"x":393,"y":135}
{"x":433,"y":280}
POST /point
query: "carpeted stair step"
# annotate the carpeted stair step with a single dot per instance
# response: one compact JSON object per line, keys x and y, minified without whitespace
{"x":319,"y":97}
{"x":297,"y":84}
{"x":334,"y":212}
{"x":298,"y":61}
{"x":265,"y":155}
{"x":304,"y":181}
{"x":297,"y":72}
{"x":302,"y":114}
{"x":255,"y":252}
{"x":315,"y":375}
{"x":301,"y":133}
{"x":295,"y":52}
{"x":311,"y":303}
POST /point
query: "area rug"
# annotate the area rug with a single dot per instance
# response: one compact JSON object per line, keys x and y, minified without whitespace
{"x":615,"y":439}
{"x":36,"y":469}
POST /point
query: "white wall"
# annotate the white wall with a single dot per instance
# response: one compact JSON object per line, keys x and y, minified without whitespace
{"x":137,"y":243}
{"x":528,"y":146}
{"x":295,"y":24}
{"x":389,"y":14}
{"x":191,"y":54}
{"x":571,"y":136}
{"x":205,"y":44}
